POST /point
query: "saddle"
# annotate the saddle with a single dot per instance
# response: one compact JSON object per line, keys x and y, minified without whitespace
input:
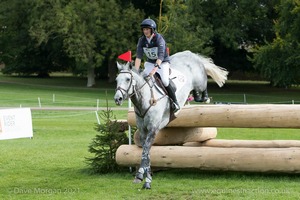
{"x":160,"y":84}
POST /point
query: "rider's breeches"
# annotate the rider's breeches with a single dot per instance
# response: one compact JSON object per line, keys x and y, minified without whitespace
{"x":163,"y":71}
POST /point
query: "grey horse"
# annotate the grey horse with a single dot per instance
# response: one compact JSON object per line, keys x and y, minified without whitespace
{"x":152,"y":106}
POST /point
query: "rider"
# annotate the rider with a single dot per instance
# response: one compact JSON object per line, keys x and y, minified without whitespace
{"x":153,"y":45}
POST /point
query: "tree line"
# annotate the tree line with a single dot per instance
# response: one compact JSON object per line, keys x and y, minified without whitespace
{"x":86,"y":36}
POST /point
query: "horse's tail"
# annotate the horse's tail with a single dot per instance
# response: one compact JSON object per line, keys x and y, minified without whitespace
{"x":218,"y":74}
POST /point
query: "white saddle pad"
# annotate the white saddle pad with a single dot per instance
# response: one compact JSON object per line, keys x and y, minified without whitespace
{"x":178,"y":78}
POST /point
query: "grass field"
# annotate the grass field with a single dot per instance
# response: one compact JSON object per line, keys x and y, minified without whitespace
{"x":52,"y":164}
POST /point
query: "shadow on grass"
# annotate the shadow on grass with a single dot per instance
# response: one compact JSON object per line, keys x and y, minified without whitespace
{"x":200,"y":174}
{"x":177,"y":174}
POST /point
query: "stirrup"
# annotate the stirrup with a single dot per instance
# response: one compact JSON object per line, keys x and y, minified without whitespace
{"x":175,"y":107}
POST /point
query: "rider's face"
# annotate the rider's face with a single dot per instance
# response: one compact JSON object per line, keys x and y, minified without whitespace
{"x":147,"y":32}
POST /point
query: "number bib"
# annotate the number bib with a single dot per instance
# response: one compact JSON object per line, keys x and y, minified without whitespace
{"x":151,"y":53}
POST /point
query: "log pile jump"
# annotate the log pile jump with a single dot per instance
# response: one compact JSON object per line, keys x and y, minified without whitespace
{"x":235,"y":116}
{"x":195,"y":131}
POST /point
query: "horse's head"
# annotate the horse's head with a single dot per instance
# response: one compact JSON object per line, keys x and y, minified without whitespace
{"x":125,"y":83}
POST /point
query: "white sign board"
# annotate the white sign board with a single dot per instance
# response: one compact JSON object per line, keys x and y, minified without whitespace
{"x":15,"y":123}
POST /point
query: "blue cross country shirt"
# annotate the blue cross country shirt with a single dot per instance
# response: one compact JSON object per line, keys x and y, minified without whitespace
{"x":155,"y":49}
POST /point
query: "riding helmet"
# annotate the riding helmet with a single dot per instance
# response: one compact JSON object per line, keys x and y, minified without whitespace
{"x":148,"y":23}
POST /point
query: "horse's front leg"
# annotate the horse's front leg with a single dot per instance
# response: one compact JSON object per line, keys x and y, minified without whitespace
{"x":145,"y":168}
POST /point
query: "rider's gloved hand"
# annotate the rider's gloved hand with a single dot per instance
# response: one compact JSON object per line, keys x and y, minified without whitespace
{"x":153,"y":71}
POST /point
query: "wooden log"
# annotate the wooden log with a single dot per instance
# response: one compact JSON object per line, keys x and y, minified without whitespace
{"x":246,"y":143}
{"x":284,"y":160}
{"x":179,"y":136}
{"x":242,"y":116}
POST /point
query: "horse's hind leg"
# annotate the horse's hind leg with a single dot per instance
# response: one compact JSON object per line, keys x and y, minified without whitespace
{"x":205,"y":97}
{"x":200,"y":98}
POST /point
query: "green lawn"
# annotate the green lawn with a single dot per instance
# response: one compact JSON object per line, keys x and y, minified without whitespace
{"x":53,"y":92}
{"x":52,"y":164}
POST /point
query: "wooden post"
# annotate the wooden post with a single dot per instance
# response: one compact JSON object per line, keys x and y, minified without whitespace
{"x":246,"y":143}
{"x":179,"y":136}
{"x":240,"y":116}
{"x":285,"y":160}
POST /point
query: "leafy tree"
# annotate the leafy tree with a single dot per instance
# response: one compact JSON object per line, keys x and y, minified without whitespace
{"x":236,"y":26}
{"x":42,"y":36}
{"x":56,"y":35}
{"x":279,"y":60}
{"x":184,"y":31}
{"x":90,"y":38}
{"x":149,"y":7}
{"x":18,"y":50}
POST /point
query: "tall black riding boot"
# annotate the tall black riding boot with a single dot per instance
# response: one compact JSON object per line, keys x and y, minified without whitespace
{"x":172,"y":95}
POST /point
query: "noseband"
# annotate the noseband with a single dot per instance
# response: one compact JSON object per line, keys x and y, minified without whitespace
{"x":124,"y":90}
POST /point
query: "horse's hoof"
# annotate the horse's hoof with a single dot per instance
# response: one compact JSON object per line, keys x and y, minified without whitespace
{"x":207,"y":100}
{"x":136,"y":181}
{"x":146,"y":186}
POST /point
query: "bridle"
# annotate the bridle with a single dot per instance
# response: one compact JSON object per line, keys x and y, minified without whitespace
{"x":131,"y":84}
{"x":134,"y":92}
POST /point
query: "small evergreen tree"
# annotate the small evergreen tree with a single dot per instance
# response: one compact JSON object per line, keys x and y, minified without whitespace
{"x":106,"y":143}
